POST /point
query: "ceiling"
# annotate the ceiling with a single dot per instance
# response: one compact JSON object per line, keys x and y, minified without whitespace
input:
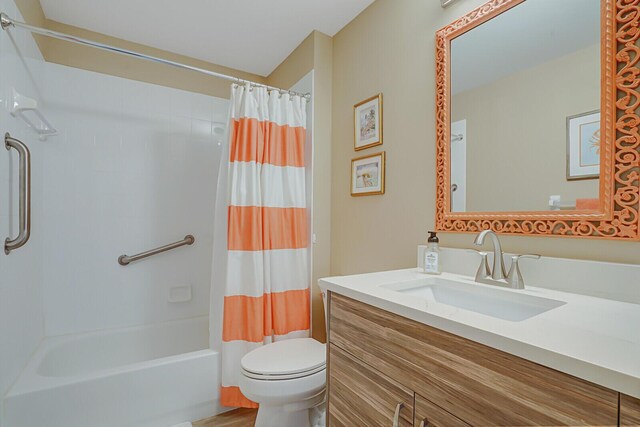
{"x":248,"y":35}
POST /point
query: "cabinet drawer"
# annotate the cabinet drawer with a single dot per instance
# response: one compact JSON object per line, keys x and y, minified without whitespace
{"x":431,"y":415}
{"x":629,"y":411}
{"x":476,"y":383}
{"x":360,"y":396}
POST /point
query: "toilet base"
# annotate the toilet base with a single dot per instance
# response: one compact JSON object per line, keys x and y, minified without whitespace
{"x":270,"y":416}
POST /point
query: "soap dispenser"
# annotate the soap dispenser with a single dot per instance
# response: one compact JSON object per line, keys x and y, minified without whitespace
{"x":432,"y":254}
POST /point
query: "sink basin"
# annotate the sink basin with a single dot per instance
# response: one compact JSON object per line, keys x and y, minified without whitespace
{"x":499,"y":303}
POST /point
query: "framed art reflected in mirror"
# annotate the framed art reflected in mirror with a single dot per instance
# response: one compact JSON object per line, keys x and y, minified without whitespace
{"x":583,"y":146}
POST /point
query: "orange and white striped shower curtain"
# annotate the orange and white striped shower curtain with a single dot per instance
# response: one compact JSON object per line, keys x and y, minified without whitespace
{"x":267,"y":281}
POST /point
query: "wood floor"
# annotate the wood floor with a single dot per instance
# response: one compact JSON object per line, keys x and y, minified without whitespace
{"x":236,"y":418}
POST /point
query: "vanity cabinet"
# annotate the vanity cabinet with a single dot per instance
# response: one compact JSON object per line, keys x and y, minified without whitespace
{"x":454,"y":381}
{"x":361,"y":396}
{"x":629,"y":411}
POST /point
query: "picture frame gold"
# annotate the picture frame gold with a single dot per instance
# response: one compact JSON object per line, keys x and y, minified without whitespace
{"x":368,"y":177}
{"x":372,"y":135}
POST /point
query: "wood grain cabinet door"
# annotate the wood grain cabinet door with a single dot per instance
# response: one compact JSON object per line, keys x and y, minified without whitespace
{"x":430,"y":415}
{"x":360,"y":396}
{"x":629,"y":411}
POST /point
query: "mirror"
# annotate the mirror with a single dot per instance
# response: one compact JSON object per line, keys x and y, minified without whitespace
{"x":525,"y":100}
{"x":537,"y":119}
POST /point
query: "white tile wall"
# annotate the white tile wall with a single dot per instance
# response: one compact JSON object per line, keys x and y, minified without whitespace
{"x":134,"y":167}
{"x":21,"y":314}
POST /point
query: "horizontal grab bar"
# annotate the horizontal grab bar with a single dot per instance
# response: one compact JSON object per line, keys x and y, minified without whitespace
{"x":126,"y":259}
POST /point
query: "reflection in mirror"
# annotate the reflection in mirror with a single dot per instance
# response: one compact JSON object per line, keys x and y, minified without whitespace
{"x":525,"y":95}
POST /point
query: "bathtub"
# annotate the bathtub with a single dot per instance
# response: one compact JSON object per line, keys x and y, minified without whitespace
{"x":148,"y":376}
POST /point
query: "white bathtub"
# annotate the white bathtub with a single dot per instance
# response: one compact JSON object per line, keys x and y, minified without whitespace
{"x":148,"y":376}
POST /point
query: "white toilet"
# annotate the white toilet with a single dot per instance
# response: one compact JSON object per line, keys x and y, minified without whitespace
{"x":287,"y":378}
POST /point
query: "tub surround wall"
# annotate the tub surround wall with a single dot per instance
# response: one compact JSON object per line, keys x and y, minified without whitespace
{"x":21,"y":314}
{"x":134,"y":167}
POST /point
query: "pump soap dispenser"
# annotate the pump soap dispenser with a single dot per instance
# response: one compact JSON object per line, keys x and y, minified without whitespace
{"x":432,"y":254}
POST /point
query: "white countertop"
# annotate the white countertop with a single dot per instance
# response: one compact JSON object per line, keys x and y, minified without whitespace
{"x":591,"y":338}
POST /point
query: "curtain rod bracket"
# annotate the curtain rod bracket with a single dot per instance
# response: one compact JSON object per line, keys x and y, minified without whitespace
{"x":5,"y":21}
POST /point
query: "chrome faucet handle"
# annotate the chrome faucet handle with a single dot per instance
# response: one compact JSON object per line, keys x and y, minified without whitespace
{"x":483,"y":270}
{"x":514,"y":277}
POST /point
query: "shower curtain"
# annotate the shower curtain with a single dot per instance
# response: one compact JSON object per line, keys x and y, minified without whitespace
{"x":264,"y":265}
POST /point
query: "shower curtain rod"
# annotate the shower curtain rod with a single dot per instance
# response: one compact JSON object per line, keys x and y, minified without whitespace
{"x":7,"y":22}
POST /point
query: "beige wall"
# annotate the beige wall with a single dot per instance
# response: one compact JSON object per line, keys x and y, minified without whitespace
{"x":297,"y":65}
{"x":389,"y":48}
{"x":88,"y":58}
{"x":522,"y":118}
{"x":323,"y":69}
{"x":316,"y":53}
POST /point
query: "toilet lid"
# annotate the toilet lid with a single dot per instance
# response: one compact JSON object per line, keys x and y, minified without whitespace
{"x":294,"y":356}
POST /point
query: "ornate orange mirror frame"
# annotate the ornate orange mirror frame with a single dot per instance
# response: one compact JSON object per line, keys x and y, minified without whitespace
{"x":619,"y":213}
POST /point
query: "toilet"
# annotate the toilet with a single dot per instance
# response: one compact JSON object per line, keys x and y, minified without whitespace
{"x":287,"y":378}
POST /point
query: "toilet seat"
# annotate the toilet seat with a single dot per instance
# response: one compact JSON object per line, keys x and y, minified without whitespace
{"x":271,"y":377}
{"x":285,"y":360}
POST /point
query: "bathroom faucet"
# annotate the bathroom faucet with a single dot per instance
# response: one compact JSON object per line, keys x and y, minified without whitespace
{"x":497,"y":275}
{"x":497,"y":272}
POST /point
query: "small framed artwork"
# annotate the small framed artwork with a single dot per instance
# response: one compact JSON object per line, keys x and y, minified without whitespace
{"x":367,"y":175}
{"x":367,"y":117}
{"x":583,"y":146}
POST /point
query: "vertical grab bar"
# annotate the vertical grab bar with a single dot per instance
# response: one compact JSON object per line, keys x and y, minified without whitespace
{"x":24,"y":196}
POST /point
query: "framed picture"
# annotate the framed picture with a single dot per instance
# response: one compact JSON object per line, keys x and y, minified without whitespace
{"x":367,"y":117}
{"x":367,"y":175}
{"x":583,"y":146}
